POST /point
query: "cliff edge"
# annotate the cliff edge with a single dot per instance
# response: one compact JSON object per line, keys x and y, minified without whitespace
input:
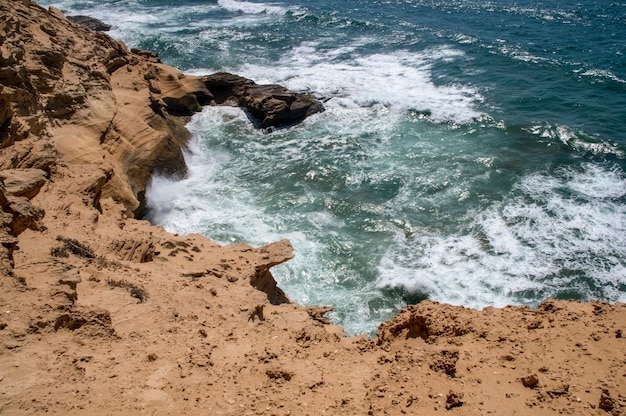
{"x":102,"y":313}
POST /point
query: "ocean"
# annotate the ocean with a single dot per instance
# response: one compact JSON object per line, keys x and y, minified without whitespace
{"x":471,"y":152}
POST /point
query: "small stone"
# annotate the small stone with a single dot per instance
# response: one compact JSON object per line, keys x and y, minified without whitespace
{"x":277,"y":374}
{"x":72,"y":281}
{"x":531,"y":381}
{"x":606,"y":402}
{"x":454,"y":400}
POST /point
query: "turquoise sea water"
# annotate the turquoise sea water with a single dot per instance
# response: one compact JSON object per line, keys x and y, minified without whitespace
{"x":472,"y":152}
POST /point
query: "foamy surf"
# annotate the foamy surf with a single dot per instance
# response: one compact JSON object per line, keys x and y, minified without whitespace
{"x":253,"y":8}
{"x":558,"y":235}
{"x":399,"y":81}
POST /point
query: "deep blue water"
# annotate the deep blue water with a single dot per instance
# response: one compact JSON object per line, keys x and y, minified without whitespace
{"x":472,"y":152}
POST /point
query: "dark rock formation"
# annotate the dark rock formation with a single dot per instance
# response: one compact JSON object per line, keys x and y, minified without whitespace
{"x":90,"y":22}
{"x":267,"y":105}
{"x":185,"y":105}
{"x":226,"y":88}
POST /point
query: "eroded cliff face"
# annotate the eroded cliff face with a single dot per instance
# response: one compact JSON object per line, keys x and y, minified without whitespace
{"x":70,"y":90}
{"x":78,"y":96}
{"x":101,"y":313}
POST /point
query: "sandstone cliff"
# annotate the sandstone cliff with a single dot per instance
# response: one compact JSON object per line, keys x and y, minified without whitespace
{"x":101,"y":313}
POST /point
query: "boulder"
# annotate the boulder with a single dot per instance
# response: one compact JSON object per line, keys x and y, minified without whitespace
{"x":276,"y":106}
{"x":23,"y":182}
{"x":226,"y":88}
{"x":184,"y":105}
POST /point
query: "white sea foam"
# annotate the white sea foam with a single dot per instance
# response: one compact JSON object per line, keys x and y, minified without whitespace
{"x":398,"y":80}
{"x":518,"y":52}
{"x":554,"y":230}
{"x":183,"y":207}
{"x":577,"y":141}
{"x":466,"y":39}
{"x":602,"y":75}
{"x":252,"y":8}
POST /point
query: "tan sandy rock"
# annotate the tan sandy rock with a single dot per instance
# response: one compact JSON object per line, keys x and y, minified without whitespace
{"x":23,"y":182}
{"x":102,"y":313}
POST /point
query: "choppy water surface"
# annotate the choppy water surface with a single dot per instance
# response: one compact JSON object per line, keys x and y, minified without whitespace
{"x":471,"y":152}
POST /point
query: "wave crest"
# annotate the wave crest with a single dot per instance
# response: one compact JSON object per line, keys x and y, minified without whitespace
{"x":252,"y":8}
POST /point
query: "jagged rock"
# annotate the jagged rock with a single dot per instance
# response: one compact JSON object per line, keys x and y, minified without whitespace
{"x":557,"y":390}
{"x":8,"y":240}
{"x":271,"y":255}
{"x":276,"y":106}
{"x":90,"y":22}
{"x":184,"y":105}
{"x":421,"y":321}
{"x":30,"y":154}
{"x":25,"y":215}
{"x":40,"y":154}
{"x":154,"y":87}
{"x":66,"y":102}
{"x":445,"y":362}
{"x":23,"y":182}
{"x":226,"y":87}
{"x":6,"y":117}
{"x":279,"y":374}
{"x":454,"y":400}
{"x":318,"y":312}
{"x":16,"y":215}
{"x":94,"y":321}
{"x":6,"y":256}
{"x":56,"y":13}
{"x":606,"y":402}
{"x":151,"y":56}
{"x":138,"y":251}
{"x":268,"y":105}
{"x":531,"y":381}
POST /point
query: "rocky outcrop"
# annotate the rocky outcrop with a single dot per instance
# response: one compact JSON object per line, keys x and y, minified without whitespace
{"x":271,"y":255}
{"x":100,"y":104}
{"x":91,"y":23}
{"x":268,"y":106}
{"x":23,"y":182}
{"x":17,"y":214}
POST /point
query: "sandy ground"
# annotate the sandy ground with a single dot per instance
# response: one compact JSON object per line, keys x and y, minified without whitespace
{"x":101,"y":313}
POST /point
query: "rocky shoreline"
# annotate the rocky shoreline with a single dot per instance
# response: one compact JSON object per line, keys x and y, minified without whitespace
{"x":103,"y":313}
